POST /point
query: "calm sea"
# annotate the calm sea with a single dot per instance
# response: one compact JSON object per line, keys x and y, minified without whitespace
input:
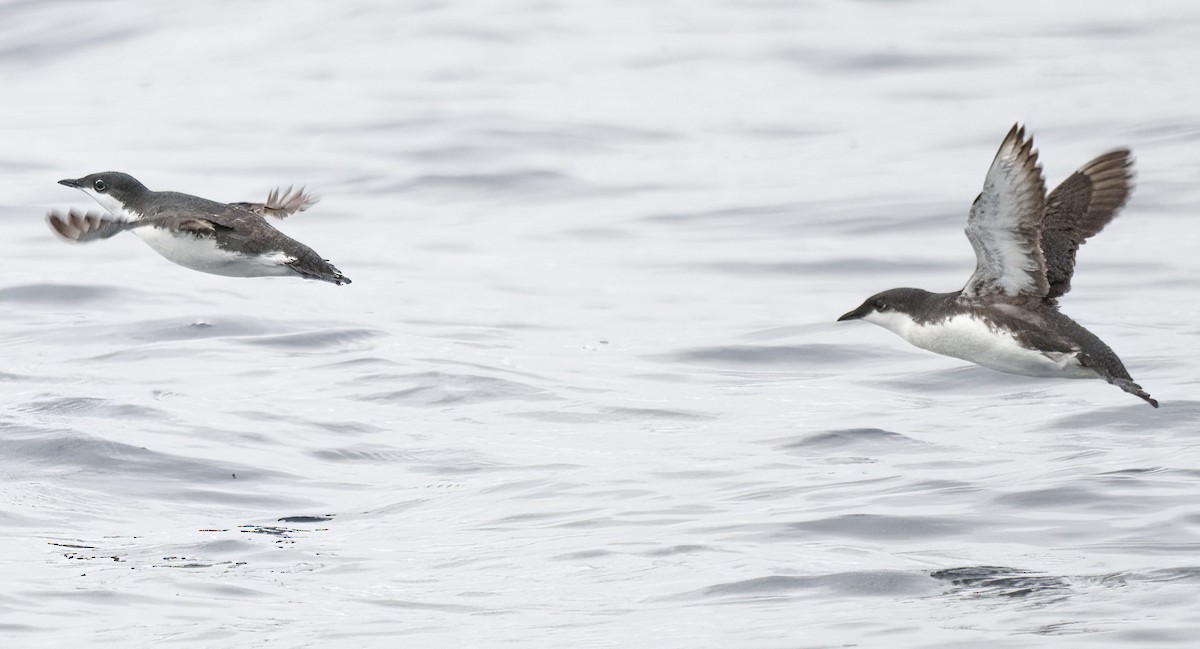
{"x":586,"y":389}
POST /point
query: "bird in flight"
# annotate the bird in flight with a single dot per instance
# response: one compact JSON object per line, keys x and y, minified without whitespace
{"x":231,"y":239}
{"x":1006,"y":317}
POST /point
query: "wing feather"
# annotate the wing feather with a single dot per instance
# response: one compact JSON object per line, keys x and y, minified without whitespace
{"x":282,"y":203}
{"x":1005,"y":224}
{"x":84,"y":227}
{"x":1078,"y":209}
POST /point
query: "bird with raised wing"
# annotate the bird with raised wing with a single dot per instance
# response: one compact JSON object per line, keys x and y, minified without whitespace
{"x":1006,"y":317}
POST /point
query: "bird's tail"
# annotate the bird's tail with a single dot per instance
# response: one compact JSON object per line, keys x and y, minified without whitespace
{"x":1109,"y":367}
{"x":316,"y":268}
{"x":1132,"y":388}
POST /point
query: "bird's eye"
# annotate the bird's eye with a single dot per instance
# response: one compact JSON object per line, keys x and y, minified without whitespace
{"x":100,"y":185}
{"x":880,"y":305}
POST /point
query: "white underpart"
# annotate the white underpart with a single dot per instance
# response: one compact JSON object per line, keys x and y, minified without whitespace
{"x":972,"y":340}
{"x":202,"y":254}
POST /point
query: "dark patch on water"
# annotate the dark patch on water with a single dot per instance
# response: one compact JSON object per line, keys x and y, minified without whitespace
{"x":37,"y":50}
{"x":381,"y":127}
{"x":881,"y":583}
{"x":116,"y":460}
{"x":61,"y":294}
{"x":852,"y":438}
{"x":423,"y":461}
{"x":283,"y":534}
{"x":915,"y":220}
{"x":884,"y":61}
{"x":838,"y":268}
{"x":385,"y":455}
{"x":91,"y":407}
{"x":306,"y":519}
{"x":313,"y":339}
{"x":1135,"y":472}
{"x":875,"y":527}
{"x":444,"y":389}
{"x":87,"y":556}
{"x":503,"y":183}
{"x":362,"y":363}
{"x":850,"y":445}
{"x":73,"y":546}
{"x":614,"y":415}
{"x":996,"y":581}
{"x":343,"y":427}
{"x":1072,"y":497}
{"x":191,"y":564}
{"x":409,"y":605}
{"x":584,"y":555}
{"x":571,"y":136}
{"x":678,"y":549}
{"x":794,"y":356}
{"x":738,"y":217}
{"x":1102,"y":31}
{"x":1185,"y":574}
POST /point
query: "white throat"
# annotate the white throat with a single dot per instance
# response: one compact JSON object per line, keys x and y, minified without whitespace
{"x":894,"y":321}
{"x":114,"y":206}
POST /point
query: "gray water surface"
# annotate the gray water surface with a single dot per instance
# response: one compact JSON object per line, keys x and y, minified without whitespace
{"x":586,"y":389}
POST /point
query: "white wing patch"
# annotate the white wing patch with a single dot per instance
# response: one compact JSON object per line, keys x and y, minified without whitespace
{"x":1005,"y":224}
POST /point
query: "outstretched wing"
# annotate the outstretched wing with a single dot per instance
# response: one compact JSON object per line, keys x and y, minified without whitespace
{"x":82,"y":227}
{"x":282,"y":203}
{"x":1079,"y":208}
{"x":1005,"y":224}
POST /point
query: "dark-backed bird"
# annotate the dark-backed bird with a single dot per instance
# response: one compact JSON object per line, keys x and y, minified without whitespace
{"x":231,"y":239}
{"x":1006,"y":317}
